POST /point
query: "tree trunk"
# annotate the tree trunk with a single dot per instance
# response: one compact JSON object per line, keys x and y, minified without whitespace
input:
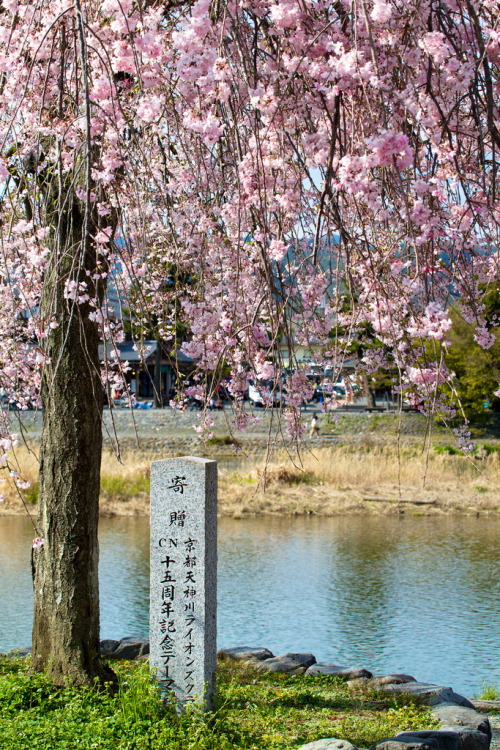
{"x":158,"y":402}
{"x":370,"y":400}
{"x":65,"y":569}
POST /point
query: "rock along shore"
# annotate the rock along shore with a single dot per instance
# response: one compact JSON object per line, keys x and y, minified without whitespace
{"x":463,"y":727}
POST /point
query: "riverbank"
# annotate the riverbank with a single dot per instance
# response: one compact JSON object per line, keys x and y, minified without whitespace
{"x":361,"y":464}
{"x":350,"y":477}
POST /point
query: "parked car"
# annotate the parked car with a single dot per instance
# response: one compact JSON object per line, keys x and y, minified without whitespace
{"x":326,"y":389}
{"x":259,"y":397}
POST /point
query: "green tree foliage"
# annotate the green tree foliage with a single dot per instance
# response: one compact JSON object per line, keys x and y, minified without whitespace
{"x":477,"y":370}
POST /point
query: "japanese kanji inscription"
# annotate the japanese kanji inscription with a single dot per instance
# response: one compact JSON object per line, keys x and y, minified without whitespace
{"x":184,"y":578}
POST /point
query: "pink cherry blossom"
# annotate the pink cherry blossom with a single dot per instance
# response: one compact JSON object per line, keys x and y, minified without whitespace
{"x":315,"y":170}
{"x":381,"y":11}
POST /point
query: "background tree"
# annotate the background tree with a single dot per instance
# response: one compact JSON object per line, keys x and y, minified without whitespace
{"x":477,"y":370}
{"x":215,"y":136}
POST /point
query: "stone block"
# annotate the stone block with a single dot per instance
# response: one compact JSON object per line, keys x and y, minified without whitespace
{"x":391,"y":679}
{"x":130,"y":648}
{"x":329,"y":743}
{"x":355,"y":673}
{"x":471,"y":739}
{"x":430,"y":694}
{"x":244,"y":653}
{"x":335,"y":670}
{"x":412,"y":743}
{"x":468,"y":739}
{"x":294,"y":663}
{"x":323,"y":667}
{"x":183,"y":558}
{"x":428,"y":740}
{"x":305,"y":660}
{"x":108,"y":645}
{"x":451,"y":714}
{"x":20,"y":653}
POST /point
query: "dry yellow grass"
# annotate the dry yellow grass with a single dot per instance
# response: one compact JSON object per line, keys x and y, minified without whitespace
{"x":372,"y":465}
{"x":342,"y":479}
{"x":371,"y":479}
{"x":124,"y":484}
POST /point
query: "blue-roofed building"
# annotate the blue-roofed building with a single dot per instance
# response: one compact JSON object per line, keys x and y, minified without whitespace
{"x":143,"y":358}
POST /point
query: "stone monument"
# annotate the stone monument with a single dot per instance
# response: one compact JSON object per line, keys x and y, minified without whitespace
{"x":183,"y":604}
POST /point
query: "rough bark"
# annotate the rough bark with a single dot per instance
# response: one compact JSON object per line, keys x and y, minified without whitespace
{"x":65,"y":569}
{"x":367,"y":391}
{"x":157,"y":378}
{"x":370,"y":400}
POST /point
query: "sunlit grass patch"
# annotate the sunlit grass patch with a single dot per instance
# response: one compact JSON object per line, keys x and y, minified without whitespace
{"x":124,"y":487}
{"x":447,"y":450}
{"x":31,"y":493}
{"x":253,"y":710}
{"x":221,"y":440}
{"x":489,"y":692}
{"x":238,"y":478}
{"x":286,"y":711}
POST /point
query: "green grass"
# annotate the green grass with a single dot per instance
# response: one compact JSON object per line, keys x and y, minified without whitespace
{"x":31,"y":494}
{"x":305,"y":477}
{"x":221,"y":440}
{"x":489,"y":692}
{"x":254,"y":711}
{"x":123,"y":488}
{"x":244,"y":479}
{"x":448,"y":450}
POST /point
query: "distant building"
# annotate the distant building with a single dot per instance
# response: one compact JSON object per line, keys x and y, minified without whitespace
{"x":144,"y":359}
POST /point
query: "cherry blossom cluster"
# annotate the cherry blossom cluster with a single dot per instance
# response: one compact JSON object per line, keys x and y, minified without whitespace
{"x":261,"y":175}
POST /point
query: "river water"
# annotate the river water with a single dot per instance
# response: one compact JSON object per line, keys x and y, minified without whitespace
{"x":392,"y":594}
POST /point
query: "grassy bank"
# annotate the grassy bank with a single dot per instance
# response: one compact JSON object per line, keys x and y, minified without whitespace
{"x":361,"y":477}
{"x":367,"y":478}
{"x":254,"y":710}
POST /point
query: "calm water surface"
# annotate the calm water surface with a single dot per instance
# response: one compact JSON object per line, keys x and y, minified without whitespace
{"x":420,"y":595}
